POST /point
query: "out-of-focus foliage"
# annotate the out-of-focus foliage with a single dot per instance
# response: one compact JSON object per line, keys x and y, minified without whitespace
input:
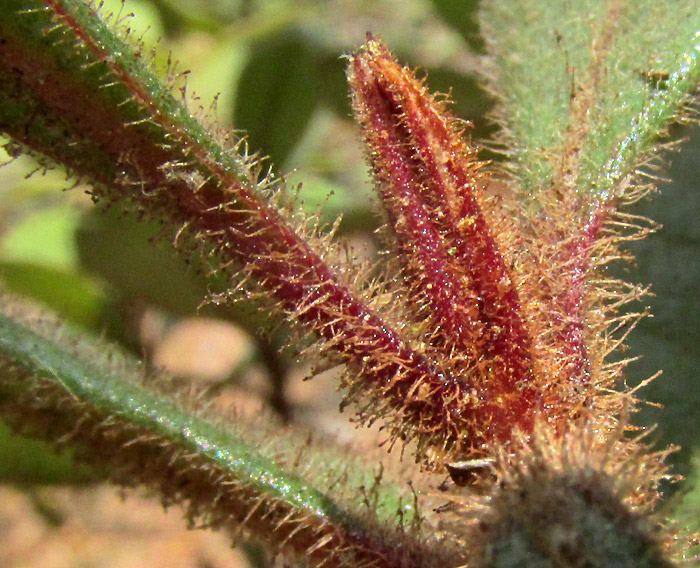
{"x":670,"y":339}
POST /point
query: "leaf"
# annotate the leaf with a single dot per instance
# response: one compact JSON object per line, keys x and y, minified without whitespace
{"x":462,"y":17}
{"x":44,"y":236}
{"x":128,"y":254}
{"x":470,"y":100}
{"x":38,"y":259}
{"x":670,"y":340}
{"x":26,"y":461}
{"x":277,"y":95}
{"x":615,"y":75}
{"x":74,"y":296}
{"x":142,"y":267}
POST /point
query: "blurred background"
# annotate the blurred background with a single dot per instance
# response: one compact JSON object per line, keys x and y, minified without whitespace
{"x":276,"y":70}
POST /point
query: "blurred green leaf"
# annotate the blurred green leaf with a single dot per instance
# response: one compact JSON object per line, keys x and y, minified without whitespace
{"x":38,"y":259}
{"x":469,"y":100}
{"x":670,"y":340}
{"x":277,"y":95}
{"x":73,"y":295}
{"x":217,"y":68}
{"x":43,"y":237}
{"x":333,"y":88}
{"x":318,"y":193}
{"x":461,"y":15}
{"x":146,"y":17}
{"x":688,"y":504}
{"x":143,"y":268}
{"x":126,"y":253}
{"x":26,"y":461}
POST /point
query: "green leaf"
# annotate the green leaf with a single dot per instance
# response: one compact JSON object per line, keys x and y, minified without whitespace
{"x":138,"y":265}
{"x":587,"y":87}
{"x":277,"y":95}
{"x":44,"y":237}
{"x":141,"y":266}
{"x":469,"y":101}
{"x":26,"y":461}
{"x":670,"y":340}
{"x":688,"y":505}
{"x":73,"y":295}
{"x":462,"y":17}
{"x":38,"y":259}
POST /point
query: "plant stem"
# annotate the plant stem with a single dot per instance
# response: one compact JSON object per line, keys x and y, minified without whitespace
{"x":147,"y":438}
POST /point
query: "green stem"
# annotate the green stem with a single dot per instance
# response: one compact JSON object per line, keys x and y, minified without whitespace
{"x":62,"y":393}
{"x":134,"y":404}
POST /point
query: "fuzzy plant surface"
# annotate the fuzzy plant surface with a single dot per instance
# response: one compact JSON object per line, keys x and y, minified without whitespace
{"x":488,"y":340}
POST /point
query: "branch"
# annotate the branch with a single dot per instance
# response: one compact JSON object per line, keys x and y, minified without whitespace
{"x":64,"y":387}
{"x":76,"y":93}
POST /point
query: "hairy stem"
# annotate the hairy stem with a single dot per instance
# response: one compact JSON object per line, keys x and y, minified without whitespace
{"x":113,"y":418}
{"x":431,"y":188}
{"x":77,"y":94}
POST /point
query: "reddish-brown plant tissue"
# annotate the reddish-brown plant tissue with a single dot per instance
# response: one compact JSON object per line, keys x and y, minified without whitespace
{"x":515,"y":347}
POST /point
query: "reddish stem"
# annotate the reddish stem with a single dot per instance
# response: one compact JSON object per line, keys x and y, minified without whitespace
{"x":428,"y":178}
{"x":572,"y":337}
{"x":233,"y":220}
